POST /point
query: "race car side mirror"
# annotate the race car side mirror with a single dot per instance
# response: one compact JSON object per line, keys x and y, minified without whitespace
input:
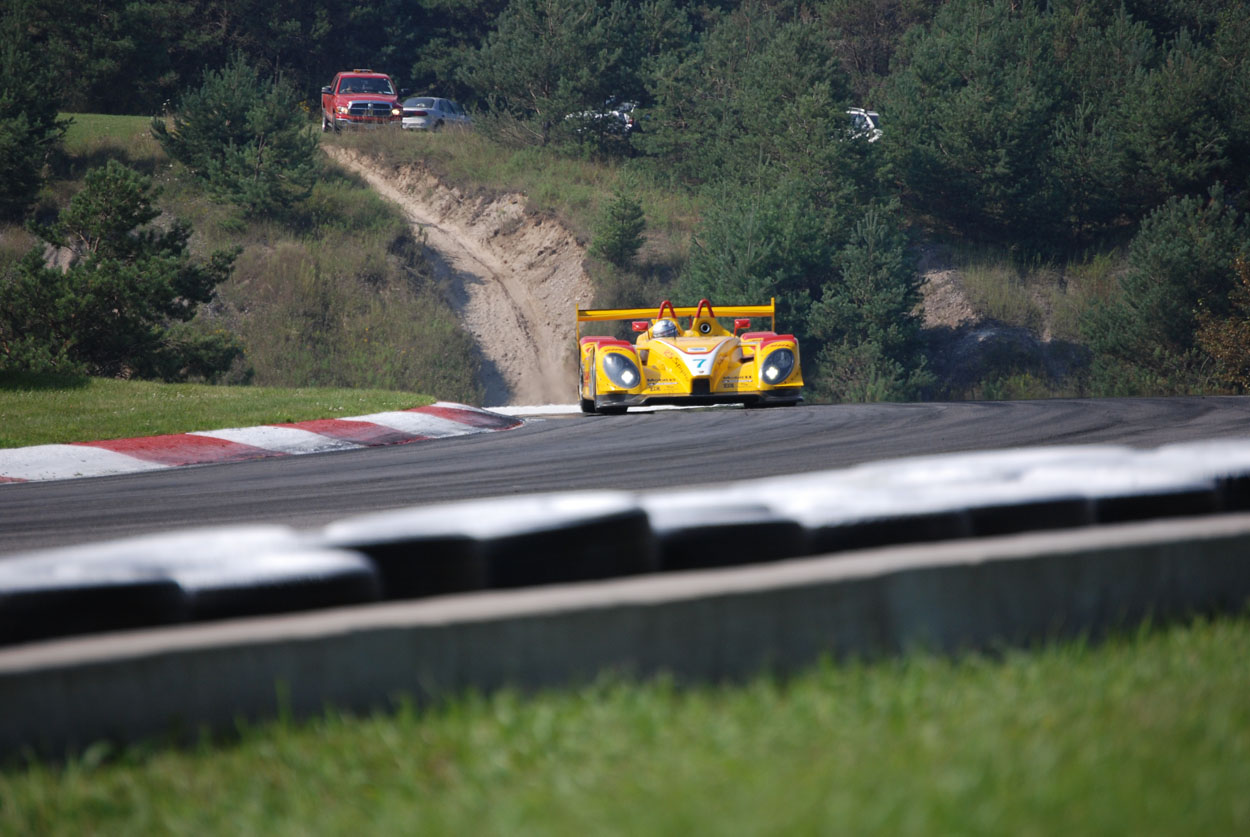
{"x":741,"y":323}
{"x":640,"y":325}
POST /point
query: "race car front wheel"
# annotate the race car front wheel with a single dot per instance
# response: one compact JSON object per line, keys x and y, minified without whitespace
{"x":590,"y":405}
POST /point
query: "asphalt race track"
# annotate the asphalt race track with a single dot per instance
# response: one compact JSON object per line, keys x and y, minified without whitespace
{"x":640,"y":450}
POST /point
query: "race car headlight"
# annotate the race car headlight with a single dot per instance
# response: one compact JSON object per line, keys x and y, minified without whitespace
{"x":778,"y":366}
{"x":621,"y":370}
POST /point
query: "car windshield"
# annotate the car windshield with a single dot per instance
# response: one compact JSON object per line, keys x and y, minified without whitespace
{"x":367,"y":85}
{"x":419,"y":103}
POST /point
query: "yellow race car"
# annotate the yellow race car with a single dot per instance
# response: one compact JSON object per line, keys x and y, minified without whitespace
{"x":701,"y":363}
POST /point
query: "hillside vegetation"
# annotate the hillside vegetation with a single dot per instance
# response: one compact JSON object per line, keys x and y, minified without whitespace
{"x":335,"y":294}
{"x":1074,"y":175}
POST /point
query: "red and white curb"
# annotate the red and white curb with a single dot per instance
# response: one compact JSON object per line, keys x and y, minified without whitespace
{"x":203,"y":447}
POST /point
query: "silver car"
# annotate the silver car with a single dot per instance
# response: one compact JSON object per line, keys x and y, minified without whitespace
{"x":428,"y":113}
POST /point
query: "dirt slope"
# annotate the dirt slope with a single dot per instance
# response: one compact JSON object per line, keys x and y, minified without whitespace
{"x":514,"y":279}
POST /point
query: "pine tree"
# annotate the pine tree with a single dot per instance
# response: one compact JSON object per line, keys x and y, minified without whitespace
{"x":245,"y":137}
{"x":970,"y":114}
{"x":755,"y":94}
{"x":618,"y":235}
{"x":868,"y":317}
{"x":754,"y":244}
{"x":547,"y":59}
{"x":118,"y":306}
{"x":29,"y":127}
{"x":1180,"y":265}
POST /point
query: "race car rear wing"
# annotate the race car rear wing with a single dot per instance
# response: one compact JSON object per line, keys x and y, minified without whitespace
{"x":600,"y":315}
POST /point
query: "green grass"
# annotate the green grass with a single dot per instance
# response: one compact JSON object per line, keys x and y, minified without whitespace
{"x":89,"y":130}
{"x":91,"y":141}
{"x":1146,"y":734}
{"x":1085,"y":284}
{"x":39,"y":410}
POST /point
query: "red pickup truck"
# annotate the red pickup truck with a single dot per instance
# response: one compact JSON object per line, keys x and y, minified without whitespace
{"x":360,"y":97}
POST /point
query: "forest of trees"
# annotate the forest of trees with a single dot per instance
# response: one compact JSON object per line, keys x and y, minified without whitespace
{"x":1053,"y":129}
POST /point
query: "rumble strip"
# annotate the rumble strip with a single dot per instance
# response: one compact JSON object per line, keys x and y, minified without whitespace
{"x":123,"y":456}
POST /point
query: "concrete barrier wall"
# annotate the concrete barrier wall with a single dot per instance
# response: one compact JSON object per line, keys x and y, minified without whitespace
{"x":59,"y":696}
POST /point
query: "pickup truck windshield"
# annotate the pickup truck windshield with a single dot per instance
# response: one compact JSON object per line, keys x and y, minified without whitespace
{"x":381,"y":86}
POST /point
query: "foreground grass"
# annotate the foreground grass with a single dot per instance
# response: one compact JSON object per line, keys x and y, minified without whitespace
{"x":36,"y":411}
{"x":1147,"y":734}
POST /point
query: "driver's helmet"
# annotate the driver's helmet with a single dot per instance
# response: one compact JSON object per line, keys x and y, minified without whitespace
{"x":664,"y":328}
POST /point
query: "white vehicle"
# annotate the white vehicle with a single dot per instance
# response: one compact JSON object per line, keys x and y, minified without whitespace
{"x":616,"y":118}
{"x":428,"y":113}
{"x":865,"y":124}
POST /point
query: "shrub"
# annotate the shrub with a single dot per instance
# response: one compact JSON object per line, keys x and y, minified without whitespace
{"x":29,"y":128}
{"x":1227,"y":339}
{"x":970,"y":112}
{"x":752,"y":245}
{"x":618,"y":235}
{"x":111,"y":311}
{"x":245,"y":137}
{"x":1181,"y":265}
{"x":868,"y":318}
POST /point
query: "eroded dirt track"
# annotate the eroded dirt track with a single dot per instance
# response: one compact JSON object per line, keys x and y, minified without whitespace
{"x":515,"y":279}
